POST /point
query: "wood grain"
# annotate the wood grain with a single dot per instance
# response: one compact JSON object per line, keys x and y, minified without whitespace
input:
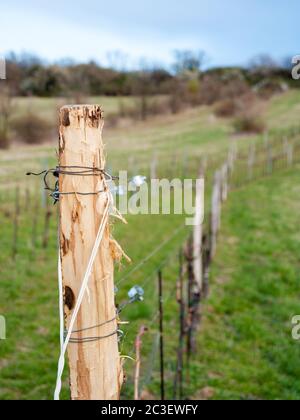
{"x":95,"y":368}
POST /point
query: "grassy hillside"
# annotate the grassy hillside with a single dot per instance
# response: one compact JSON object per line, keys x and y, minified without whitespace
{"x":47,"y":107}
{"x":171,"y":138}
{"x":28,"y":285}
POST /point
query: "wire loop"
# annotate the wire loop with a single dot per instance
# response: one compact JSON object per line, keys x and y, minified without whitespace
{"x":75,"y":171}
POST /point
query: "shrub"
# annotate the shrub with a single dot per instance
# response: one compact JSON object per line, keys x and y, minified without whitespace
{"x":31,"y":128}
{"x":215,"y":87}
{"x":4,"y":141}
{"x":232,"y":106}
{"x":226,"y":108}
{"x":249,"y":122}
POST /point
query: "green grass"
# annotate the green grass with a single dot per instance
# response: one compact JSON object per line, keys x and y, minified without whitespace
{"x":29,"y":296}
{"x":47,"y":108}
{"x":284,"y":110}
{"x":245,"y":346}
{"x":28,"y":287}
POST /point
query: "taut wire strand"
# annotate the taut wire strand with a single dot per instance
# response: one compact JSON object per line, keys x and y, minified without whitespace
{"x":75,"y":171}
{"x":152,"y":253}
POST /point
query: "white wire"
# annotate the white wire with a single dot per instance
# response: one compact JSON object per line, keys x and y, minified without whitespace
{"x":61,"y":302}
{"x":64,"y":343}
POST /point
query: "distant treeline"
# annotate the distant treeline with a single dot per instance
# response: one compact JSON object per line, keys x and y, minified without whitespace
{"x":29,"y":75}
{"x":238,"y":93}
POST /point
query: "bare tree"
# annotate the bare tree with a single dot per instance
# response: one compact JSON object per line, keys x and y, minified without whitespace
{"x":189,"y":61}
{"x":263,"y":64}
{"x":142,"y":88}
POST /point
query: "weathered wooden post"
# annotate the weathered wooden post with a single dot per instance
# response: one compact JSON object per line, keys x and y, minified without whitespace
{"x":190,"y":319}
{"x":181,"y":342}
{"x":161,"y":336}
{"x":178,"y":381}
{"x":132,"y":166}
{"x":288,"y":150}
{"x":224,"y":186}
{"x":27,"y":200}
{"x":94,"y":361}
{"x":197,"y":235}
{"x":270,"y":159}
{"x":194,"y":255}
{"x":251,"y":160}
{"x":290,"y":154}
{"x":269,"y":153}
{"x":138,"y":345}
{"x":215,"y":213}
{"x":231,"y":158}
{"x":206,"y":261}
{"x":184,"y":165}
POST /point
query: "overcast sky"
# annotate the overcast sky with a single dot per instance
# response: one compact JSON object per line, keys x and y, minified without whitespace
{"x":231,"y":32}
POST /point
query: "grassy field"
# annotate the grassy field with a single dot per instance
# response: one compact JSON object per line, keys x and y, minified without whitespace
{"x":28,"y":285}
{"x":246,"y":349}
{"x":47,"y":107}
{"x":178,"y":138}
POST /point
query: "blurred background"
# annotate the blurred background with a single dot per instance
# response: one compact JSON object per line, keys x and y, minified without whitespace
{"x":179,"y":84}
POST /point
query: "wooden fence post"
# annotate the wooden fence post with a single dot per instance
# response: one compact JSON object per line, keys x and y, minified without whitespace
{"x":194,"y":255}
{"x":173,"y":170}
{"x":270,"y":159}
{"x":184,"y":165}
{"x":215,"y":213}
{"x":190,"y":302}
{"x":178,"y":382}
{"x":138,"y":345}
{"x":231,"y":158}
{"x":27,"y":199}
{"x":161,"y":336}
{"x":206,"y":262}
{"x":153,"y":167}
{"x":132,"y":167}
{"x":95,"y":367}
{"x":197,"y":237}
{"x":290,"y":154}
{"x":269,"y":153}
{"x":251,"y":161}
{"x":224,"y":186}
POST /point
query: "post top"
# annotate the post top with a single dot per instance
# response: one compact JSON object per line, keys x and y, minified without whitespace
{"x":89,"y":113}
{"x":76,"y":106}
